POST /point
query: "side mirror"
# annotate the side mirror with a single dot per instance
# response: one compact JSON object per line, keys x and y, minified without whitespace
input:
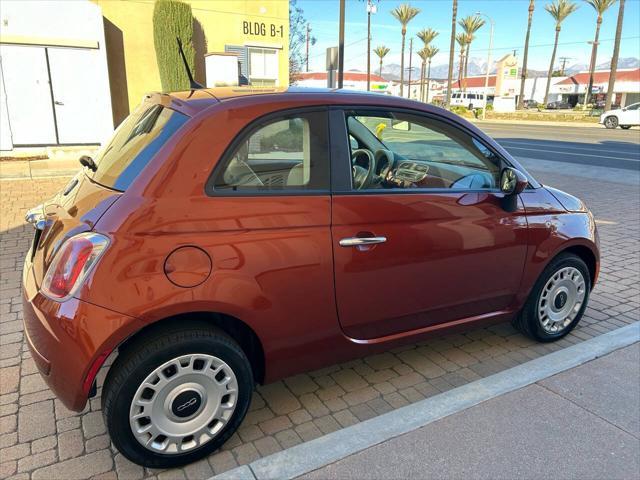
{"x":512,"y":181}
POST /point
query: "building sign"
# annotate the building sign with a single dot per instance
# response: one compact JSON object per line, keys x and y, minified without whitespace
{"x":379,"y":86}
{"x":262,"y":29}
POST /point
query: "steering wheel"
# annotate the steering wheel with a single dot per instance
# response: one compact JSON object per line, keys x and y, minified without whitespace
{"x":384,"y":155}
{"x":363,"y":177}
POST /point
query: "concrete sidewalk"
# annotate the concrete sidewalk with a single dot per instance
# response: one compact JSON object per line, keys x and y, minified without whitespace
{"x":582,"y":423}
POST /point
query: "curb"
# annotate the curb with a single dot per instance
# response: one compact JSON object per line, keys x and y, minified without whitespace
{"x":322,"y":451}
{"x":525,"y":123}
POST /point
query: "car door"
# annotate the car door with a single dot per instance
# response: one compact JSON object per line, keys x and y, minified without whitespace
{"x":630,"y":115}
{"x":426,"y":240}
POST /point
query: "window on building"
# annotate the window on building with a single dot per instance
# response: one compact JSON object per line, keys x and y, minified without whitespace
{"x":263,"y":66}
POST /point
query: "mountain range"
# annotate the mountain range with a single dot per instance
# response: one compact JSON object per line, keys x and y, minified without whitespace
{"x":477,"y":66}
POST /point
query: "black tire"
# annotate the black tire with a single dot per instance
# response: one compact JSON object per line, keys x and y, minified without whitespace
{"x":528,"y":321}
{"x":625,"y":127}
{"x":611,"y":122}
{"x":139,"y":359}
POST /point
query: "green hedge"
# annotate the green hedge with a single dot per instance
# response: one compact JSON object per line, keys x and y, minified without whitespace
{"x":173,"y":19}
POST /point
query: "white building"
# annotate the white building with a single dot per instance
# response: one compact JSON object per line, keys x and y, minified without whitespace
{"x":350,"y":80}
{"x":54,"y":80}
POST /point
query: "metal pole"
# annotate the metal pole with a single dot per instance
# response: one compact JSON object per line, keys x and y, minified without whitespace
{"x":368,"y":45}
{"x":307,"y":56}
{"x":341,"y":46}
{"x":486,"y":74}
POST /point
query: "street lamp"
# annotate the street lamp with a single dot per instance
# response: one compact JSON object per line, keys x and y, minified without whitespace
{"x":486,"y":75}
{"x":371,"y":8}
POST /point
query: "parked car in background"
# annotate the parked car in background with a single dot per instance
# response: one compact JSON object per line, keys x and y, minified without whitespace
{"x":530,"y":104}
{"x":225,"y":238}
{"x":558,"y":105}
{"x":469,"y":100}
{"x":602,"y":103}
{"x":625,"y":117}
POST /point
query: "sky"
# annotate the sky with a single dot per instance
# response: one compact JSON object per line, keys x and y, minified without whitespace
{"x":510,"y":18}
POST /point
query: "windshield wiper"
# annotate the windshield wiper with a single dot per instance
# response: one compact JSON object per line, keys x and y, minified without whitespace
{"x":87,"y":161}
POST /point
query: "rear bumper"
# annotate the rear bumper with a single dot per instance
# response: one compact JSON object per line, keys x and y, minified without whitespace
{"x":69,"y":340}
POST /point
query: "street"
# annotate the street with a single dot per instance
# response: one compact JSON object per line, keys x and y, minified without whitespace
{"x":40,"y":438}
{"x":580,"y":145}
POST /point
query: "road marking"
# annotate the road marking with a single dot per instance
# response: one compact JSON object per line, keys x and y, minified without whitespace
{"x":606,"y":222}
{"x":330,"y":448}
{"x":604,"y":157}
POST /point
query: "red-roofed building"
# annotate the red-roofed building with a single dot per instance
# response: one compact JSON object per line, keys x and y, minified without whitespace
{"x":626,"y":89}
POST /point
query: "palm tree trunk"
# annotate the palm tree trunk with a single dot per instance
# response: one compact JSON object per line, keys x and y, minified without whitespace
{"x":422,"y":82}
{"x":404,"y":32}
{"x":380,"y":66}
{"x":614,"y":59}
{"x":466,"y":65}
{"x":592,"y":64}
{"x":553,"y":59}
{"x":460,"y":68}
{"x":523,"y":74}
{"x":452,"y":48}
{"x":428,"y":80}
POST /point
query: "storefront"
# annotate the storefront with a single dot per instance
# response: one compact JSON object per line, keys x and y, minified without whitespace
{"x":238,"y":42}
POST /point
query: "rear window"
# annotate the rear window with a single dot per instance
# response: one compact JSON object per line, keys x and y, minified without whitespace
{"x":134,"y":143}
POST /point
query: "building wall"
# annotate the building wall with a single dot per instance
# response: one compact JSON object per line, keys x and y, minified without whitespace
{"x":132,"y":60}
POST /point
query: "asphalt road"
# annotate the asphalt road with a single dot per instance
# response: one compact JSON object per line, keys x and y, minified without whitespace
{"x":580,"y":145}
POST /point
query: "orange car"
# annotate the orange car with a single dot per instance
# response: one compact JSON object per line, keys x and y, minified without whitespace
{"x":222,"y":239}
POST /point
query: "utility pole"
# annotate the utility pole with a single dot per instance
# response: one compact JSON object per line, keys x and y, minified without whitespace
{"x":486,"y":74}
{"x":341,"y":47}
{"x":614,"y":59}
{"x":410,"y":55}
{"x":564,"y":64}
{"x":371,"y":8}
{"x":307,"y":57}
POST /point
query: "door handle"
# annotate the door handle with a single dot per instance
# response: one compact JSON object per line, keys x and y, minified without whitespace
{"x":58,"y":102}
{"x":359,"y":241}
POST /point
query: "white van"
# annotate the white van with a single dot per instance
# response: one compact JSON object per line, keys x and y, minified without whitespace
{"x":469,"y":100}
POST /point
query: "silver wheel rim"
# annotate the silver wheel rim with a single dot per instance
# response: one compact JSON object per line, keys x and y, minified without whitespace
{"x":183,"y":404}
{"x":561,"y":299}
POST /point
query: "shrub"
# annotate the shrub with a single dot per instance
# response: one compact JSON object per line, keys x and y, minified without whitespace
{"x":459,"y":110}
{"x":490,"y":107}
{"x":173,"y":19}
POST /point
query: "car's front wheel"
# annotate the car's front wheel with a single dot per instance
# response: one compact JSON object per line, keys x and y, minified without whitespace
{"x":611,"y":121}
{"x":176,"y":396}
{"x":558,"y":300}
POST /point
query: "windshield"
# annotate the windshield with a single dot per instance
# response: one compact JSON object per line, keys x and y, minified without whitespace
{"x":134,"y":143}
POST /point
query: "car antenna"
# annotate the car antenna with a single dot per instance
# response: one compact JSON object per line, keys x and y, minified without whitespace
{"x":192,"y":83}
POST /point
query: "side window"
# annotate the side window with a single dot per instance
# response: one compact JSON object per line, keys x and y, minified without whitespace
{"x":282,"y":154}
{"x":402,"y":151}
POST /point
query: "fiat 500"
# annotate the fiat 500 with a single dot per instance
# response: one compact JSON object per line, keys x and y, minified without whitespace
{"x":224,"y":238}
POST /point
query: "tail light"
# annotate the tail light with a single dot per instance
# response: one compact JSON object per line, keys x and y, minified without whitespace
{"x":72,"y":263}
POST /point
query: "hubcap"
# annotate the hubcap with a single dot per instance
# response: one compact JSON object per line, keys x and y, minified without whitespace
{"x":561,"y":299}
{"x":183,"y":403}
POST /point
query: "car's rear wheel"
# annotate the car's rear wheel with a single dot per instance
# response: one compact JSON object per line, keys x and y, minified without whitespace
{"x":558,"y":300}
{"x":625,"y":127}
{"x":611,"y":121}
{"x":177,"y":396}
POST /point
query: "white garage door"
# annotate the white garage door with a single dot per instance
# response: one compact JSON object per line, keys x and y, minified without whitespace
{"x":28,"y":95}
{"x":76,"y":94}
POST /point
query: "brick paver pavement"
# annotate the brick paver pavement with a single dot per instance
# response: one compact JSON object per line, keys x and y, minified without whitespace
{"x":41,"y":439}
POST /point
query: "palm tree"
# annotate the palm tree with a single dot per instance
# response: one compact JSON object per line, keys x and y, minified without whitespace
{"x":381,"y":51}
{"x":600,"y":6}
{"x":463,"y":40}
{"x":614,"y":58}
{"x":452,"y":47}
{"x":426,"y":35}
{"x":431,"y":52}
{"x":470,"y":24}
{"x":523,"y":75}
{"x":404,"y":14}
{"x":559,"y":10}
{"x":422,"y":53}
